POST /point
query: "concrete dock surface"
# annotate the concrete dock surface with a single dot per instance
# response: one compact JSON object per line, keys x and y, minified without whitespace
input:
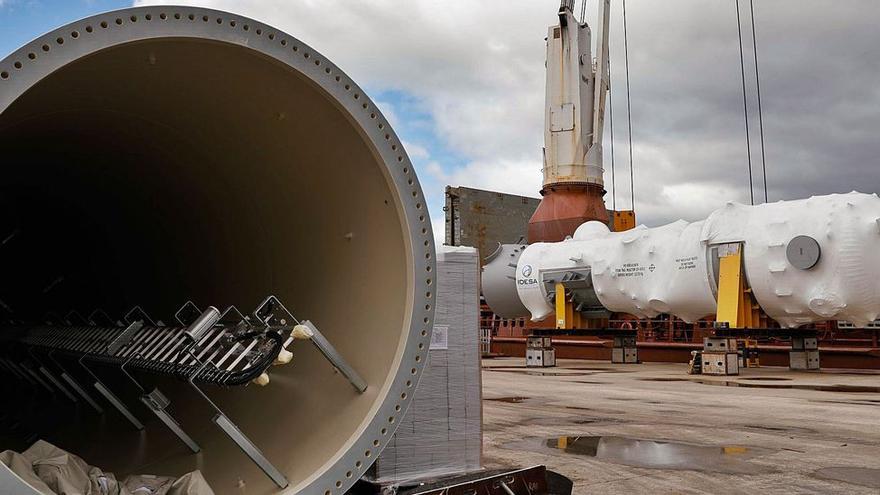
{"x":651,"y":428}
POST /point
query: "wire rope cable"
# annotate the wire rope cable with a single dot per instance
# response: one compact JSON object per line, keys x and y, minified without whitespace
{"x":760,"y":109}
{"x":742,"y":67}
{"x":632,"y":189}
{"x":611,"y":129}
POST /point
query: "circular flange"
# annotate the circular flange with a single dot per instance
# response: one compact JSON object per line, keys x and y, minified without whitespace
{"x":803,"y":252}
{"x":36,"y":60}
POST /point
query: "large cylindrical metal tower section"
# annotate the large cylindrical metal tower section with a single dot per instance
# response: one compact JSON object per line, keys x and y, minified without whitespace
{"x":162,"y":154}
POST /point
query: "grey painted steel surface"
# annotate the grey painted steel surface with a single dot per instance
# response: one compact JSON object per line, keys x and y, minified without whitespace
{"x":499,"y":281}
{"x":803,"y":252}
{"x":12,"y":484}
{"x":126,"y":55}
{"x":483,"y":219}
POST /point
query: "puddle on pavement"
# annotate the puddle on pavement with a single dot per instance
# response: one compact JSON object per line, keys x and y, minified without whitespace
{"x":597,"y":421}
{"x":832,"y":371}
{"x":768,"y":428}
{"x":573,"y":371}
{"x":664,"y":379}
{"x":730,"y":383}
{"x":783,"y":429}
{"x":598,"y":410}
{"x":606,"y":370}
{"x":856,"y":389}
{"x":653,"y":454}
{"x":856,"y":475}
{"x":765,"y":378}
{"x":858,"y":402}
{"x":533,"y":372}
{"x":509,"y":400}
{"x":555,"y":373}
{"x":657,"y":454}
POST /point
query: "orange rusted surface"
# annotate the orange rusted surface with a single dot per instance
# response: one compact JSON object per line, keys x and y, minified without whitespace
{"x":623,"y":220}
{"x":563,"y":208}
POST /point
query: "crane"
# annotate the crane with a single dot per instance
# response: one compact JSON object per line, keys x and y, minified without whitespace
{"x":576,"y":90}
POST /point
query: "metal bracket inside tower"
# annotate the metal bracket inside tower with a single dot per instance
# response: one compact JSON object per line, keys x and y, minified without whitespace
{"x":206,"y":347}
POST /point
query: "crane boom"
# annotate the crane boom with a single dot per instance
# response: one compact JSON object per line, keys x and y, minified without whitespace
{"x":601,"y":76}
{"x":575,"y":99}
{"x":573,"y":186}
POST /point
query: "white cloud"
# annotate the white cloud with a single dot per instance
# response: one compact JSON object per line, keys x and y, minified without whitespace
{"x":477,"y":69}
{"x":389,"y":112}
{"x":416,"y":151}
{"x":438,"y":225}
{"x":521,"y":177}
{"x":437,"y":171}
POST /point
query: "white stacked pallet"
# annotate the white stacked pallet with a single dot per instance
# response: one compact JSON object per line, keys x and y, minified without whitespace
{"x":442,"y":433}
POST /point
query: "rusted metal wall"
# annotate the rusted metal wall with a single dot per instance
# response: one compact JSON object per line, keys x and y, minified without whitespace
{"x":482,"y":219}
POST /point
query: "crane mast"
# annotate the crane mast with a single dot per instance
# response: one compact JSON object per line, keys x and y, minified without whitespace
{"x":576,"y":90}
{"x":601,"y":85}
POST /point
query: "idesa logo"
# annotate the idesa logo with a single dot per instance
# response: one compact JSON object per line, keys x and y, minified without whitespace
{"x":526,"y":272}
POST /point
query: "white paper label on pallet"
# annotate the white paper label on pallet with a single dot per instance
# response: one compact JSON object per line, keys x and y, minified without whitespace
{"x":440,"y":337}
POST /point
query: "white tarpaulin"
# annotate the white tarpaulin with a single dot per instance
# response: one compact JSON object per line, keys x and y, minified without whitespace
{"x":53,"y":471}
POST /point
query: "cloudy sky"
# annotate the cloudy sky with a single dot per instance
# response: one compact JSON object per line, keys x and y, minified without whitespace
{"x":463,"y":84}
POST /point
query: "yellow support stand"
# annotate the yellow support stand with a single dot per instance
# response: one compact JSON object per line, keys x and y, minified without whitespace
{"x":735,"y":304}
{"x":751,"y":358}
{"x":567,"y":318}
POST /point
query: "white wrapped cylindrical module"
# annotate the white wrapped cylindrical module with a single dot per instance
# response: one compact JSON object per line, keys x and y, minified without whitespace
{"x":643,"y":272}
{"x":843,"y":281}
{"x":805,"y":261}
{"x":646,"y":272}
